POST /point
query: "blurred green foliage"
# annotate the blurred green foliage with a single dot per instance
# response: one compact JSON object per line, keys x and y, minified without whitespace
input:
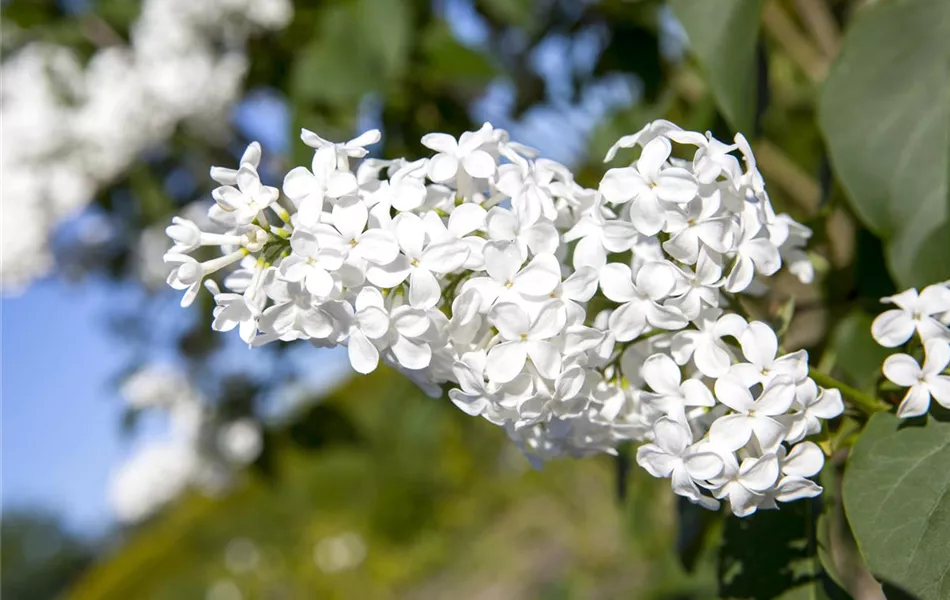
{"x":443,"y":504}
{"x":39,"y":557}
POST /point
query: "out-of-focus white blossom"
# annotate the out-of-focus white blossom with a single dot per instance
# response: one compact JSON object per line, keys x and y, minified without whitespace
{"x":70,"y":129}
{"x":339,"y":552}
{"x":554,"y":311}
{"x":198,"y":450}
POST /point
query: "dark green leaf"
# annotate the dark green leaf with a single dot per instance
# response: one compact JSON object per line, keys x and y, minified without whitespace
{"x":858,"y":356}
{"x":773,"y":554}
{"x":358,"y":48}
{"x":723,"y":35}
{"x":697,"y":533}
{"x":885,"y":111}
{"x":31,"y":13}
{"x":897,"y":498}
{"x":449,"y":62}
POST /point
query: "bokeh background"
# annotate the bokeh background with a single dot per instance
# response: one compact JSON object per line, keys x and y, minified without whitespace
{"x":146,"y":457}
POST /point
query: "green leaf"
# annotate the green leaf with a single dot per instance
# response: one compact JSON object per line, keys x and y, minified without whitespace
{"x":773,"y":554}
{"x":31,"y":13}
{"x":885,"y":111}
{"x":448,"y":62}
{"x":858,"y":356}
{"x":386,"y":28}
{"x":723,"y":35}
{"x":897,"y":498}
{"x":358,"y":48}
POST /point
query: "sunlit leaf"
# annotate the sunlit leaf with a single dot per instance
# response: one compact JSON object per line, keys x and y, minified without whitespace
{"x":722,"y":36}
{"x":897,"y":498}
{"x":885,"y":111}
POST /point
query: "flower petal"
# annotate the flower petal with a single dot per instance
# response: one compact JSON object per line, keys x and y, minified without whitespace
{"x":902,"y":369}
{"x":695,"y":393}
{"x":373,"y":321}
{"x":363,"y":354}
{"x":759,"y":344}
{"x":298,"y":183}
{"x":389,"y":275}
{"x":804,"y":459}
{"x":540,"y":277}
{"x":916,"y":402}
{"x":589,"y":252}
{"x":712,"y":359}
{"x":892,"y":328}
{"x":768,"y":431}
{"x":479,"y":164}
{"x":655,"y":461}
{"x":759,"y":474}
{"x":424,"y":290}
{"x":506,"y":361}
{"x":671,"y":436}
{"x":937,"y":356}
{"x":510,"y":320}
{"x":319,"y":282}
{"x":703,"y":465}
{"x":733,"y":393}
{"x":731,"y":432}
{"x":442,"y":167}
{"x":616,"y":282}
{"x":377,"y":246}
{"x":621,"y":185}
{"x":550,"y":321}
{"x":656,"y":279}
{"x":793,"y":488}
{"x":676,"y":185}
{"x":412,"y":354}
{"x":829,"y":404}
{"x":444,"y":257}
{"x":628,"y":321}
{"x":776,"y":398}
{"x":662,"y":374}
{"x":545,"y":357}
{"x":502,"y":260}
{"x":654,"y":155}
{"x":440,"y":142}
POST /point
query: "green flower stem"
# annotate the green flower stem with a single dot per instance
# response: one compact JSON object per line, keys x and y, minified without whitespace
{"x":867,"y":403}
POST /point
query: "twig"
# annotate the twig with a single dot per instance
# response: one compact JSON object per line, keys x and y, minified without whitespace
{"x":821,"y":24}
{"x":779,"y":168}
{"x":99,"y":32}
{"x":864,"y":402}
{"x":780,"y":26}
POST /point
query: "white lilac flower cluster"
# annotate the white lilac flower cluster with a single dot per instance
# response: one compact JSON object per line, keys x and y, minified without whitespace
{"x":575,"y":318}
{"x":199,"y":450}
{"x":69,"y":128}
{"x":927,"y":315}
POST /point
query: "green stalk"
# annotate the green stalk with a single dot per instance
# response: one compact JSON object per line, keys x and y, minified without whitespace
{"x":866,"y":403}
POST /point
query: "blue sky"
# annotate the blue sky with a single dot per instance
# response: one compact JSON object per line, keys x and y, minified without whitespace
{"x":60,"y":412}
{"x":61,"y":408}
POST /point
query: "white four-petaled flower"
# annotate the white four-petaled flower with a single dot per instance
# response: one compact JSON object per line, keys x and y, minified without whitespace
{"x":924,"y":382}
